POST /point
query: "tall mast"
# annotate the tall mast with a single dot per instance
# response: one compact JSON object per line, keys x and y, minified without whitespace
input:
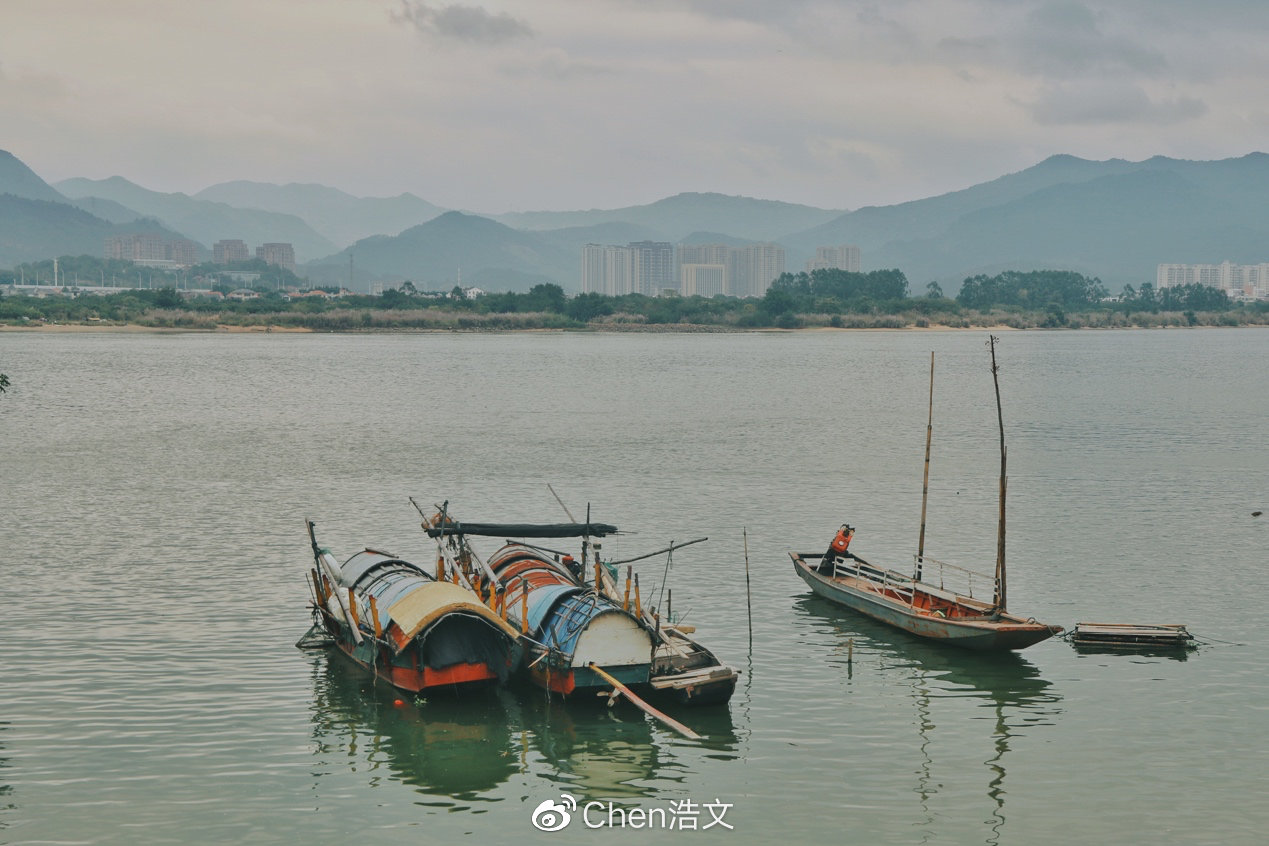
{"x":1000,"y":538}
{"x":925,"y":487}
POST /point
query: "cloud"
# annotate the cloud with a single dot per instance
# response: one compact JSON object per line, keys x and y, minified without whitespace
{"x":1065,"y":38}
{"x":1101,"y":103}
{"x":466,"y":23}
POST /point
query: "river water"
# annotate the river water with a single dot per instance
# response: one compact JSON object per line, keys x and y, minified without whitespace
{"x":155,"y":489}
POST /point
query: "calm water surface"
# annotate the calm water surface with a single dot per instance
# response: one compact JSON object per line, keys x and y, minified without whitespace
{"x":154,"y":495}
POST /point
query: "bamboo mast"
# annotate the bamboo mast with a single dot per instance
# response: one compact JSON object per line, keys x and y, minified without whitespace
{"x":1001,"y":591}
{"x":925,"y":486}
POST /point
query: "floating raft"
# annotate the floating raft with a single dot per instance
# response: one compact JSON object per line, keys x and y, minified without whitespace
{"x":1131,"y":636}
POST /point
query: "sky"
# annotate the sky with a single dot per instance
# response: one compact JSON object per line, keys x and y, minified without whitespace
{"x":577,"y":104}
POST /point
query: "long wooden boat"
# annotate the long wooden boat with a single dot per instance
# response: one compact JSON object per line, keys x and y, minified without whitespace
{"x":396,"y":619}
{"x":915,"y":604}
{"x":917,"y":607}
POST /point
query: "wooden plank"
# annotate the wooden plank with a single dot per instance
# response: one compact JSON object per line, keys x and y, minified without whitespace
{"x":644,"y":706}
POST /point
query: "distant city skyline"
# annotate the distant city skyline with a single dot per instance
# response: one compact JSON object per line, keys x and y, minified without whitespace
{"x":500,"y":106}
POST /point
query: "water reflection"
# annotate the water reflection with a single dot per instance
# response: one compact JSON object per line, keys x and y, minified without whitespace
{"x":942,"y":679}
{"x":461,"y":749}
{"x":6,"y":789}
{"x":445,"y":745}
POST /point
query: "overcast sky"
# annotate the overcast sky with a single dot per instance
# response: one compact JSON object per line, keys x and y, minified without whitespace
{"x":573,"y":104}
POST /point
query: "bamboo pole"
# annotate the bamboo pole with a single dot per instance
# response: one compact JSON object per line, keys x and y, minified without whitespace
{"x":326,"y":562}
{"x":374,"y":614}
{"x":352,"y":610}
{"x":925,"y":485}
{"x":748,"y":594}
{"x":625,"y":603}
{"x":638,"y":603}
{"x":669,"y":548}
{"x":1001,"y":592}
{"x":644,"y":706}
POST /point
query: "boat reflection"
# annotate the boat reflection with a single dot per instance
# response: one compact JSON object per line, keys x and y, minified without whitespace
{"x":943,"y":680}
{"x":463,"y":748}
{"x":458,"y":747}
{"x":617,"y":752}
{"x":6,"y":789}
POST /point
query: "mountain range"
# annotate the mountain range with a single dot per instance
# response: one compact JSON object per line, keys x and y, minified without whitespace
{"x":1112,"y":219}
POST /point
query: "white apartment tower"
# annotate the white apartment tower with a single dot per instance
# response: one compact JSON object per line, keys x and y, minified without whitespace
{"x":1239,"y":281}
{"x":845,"y":257}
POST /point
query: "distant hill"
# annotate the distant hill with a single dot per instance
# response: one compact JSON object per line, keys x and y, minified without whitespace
{"x":677,"y":216}
{"x":575,"y":237}
{"x":107,"y":209}
{"x":20,"y":181}
{"x":1115,"y":219}
{"x":432,"y":255}
{"x":339,"y":217}
{"x":35,"y":230}
{"x":38,"y":223}
{"x":202,"y":220}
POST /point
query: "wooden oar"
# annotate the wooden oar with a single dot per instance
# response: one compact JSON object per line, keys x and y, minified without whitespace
{"x":644,"y":706}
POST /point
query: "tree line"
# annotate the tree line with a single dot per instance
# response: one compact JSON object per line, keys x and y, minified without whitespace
{"x":819,"y":298}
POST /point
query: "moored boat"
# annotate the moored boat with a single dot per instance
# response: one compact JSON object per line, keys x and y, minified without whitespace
{"x":399,"y":621}
{"x":916,"y":604}
{"x":579,"y":631}
{"x":571,"y":630}
{"x":918,"y":607}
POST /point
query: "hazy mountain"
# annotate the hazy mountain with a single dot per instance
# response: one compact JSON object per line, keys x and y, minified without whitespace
{"x":203,"y":220}
{"x":714,"y":238}
{"x":106,"y":209}
{"x":20,"y":181}
{"x":576,"y":237}
{"x":339,"y":217}
{"x":432,"y":255}
{"x":674,"y":217}
{"x":37,"y":223}
{"x":1114,"y":219}
{"x":35,"y":230}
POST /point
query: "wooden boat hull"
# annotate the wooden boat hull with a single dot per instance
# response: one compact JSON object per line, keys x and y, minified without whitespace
{"x":423,"y":679}
{"x":1006,"y":633}
{"x":411,"y":630}
{"x":576,"y":626}
{"x":686,"y":673}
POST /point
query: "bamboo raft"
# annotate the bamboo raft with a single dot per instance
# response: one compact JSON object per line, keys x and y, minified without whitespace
{"x":1131,"y":636}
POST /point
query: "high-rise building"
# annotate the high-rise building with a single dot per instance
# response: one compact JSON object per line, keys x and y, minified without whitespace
{"x":648,"y":267}
{"x":652,"y":266}
{"x":136,"y":247}
{"x":844,"y":257}
{"x":607,"y":269}
{"x":183,"y":251}
{"x":703,"y":280}
{"x":224,"y":252}
{"x":282,"y":255}
{"x":752,"y":268}
{"x":1239,"y":281}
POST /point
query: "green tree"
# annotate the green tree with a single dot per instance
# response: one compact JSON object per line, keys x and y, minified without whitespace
{"x":547,"y":296}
